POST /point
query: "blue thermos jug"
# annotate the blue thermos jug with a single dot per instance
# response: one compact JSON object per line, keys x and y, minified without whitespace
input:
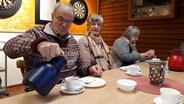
{"x":44,"y":77}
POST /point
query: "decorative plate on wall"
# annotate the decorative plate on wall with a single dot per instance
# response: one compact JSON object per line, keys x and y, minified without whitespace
{"x":81,"y":11}
{"x":9,"y":7}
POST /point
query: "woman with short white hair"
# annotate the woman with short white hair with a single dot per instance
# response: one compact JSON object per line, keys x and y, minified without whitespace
{"x":93,"y":49}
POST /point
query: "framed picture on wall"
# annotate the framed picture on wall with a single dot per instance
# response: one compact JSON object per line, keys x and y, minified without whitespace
{"x":151,"y":9}
{"x":43,"y":11}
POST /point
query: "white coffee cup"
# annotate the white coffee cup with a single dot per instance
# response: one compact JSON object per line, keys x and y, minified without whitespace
{"x":134,"y":69}
{"x":72,"y":83}
{"x":170,"y":96}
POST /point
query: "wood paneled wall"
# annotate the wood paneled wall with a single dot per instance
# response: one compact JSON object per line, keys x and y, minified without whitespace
{"x":160,"y":34}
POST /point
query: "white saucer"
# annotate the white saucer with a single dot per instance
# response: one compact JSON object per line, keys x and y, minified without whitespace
{"x":63,"y":89}
{"x":134,"y":74}
{"x":158,"y":100}
{"x":90,"y":81}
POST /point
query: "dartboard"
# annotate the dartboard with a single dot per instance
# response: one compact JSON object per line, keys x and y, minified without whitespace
{"x":81,"y":11}
{"x":9,"y":7}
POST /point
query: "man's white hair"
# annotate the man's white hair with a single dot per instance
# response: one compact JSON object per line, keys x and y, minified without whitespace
{"x":63,"y":5}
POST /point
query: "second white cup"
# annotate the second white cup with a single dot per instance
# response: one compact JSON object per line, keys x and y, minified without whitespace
{"x":134,"y":69}
{"x":170,"y":96}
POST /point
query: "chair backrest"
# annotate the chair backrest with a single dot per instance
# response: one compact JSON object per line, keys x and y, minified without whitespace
{"x":21,"y":65}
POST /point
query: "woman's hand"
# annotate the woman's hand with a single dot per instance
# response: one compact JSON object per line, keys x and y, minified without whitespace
{"x":149,"y":54}
{"x":95,"y":70}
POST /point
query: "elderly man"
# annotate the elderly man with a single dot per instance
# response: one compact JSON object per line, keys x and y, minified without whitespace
{"x":41,"y":43}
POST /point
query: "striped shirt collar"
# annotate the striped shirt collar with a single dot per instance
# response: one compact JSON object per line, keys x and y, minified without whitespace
{"x":47,"y":29}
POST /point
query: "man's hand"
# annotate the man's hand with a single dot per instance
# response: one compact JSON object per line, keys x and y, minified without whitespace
{"x":96,"y":70}
{"x":49,"y":49}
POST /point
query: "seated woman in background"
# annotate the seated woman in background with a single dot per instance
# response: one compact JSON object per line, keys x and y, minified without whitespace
{"x":124,"y":48}
{"x":93,"y":49}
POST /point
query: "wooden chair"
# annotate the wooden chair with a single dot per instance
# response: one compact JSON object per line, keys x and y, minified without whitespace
{"x":21,"y":65}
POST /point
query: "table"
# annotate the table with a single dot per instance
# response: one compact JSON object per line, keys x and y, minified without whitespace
{"x":109,"y":94}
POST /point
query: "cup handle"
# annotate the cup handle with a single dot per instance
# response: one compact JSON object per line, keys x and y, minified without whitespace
{"x":63,"y":82}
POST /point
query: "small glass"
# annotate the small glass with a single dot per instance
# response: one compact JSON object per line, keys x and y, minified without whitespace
{"x":156,"y":72}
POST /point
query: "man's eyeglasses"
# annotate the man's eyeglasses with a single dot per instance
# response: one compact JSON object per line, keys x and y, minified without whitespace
{"x":62,"y":20}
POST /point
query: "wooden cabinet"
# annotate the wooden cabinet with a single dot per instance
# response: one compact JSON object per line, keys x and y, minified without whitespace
{"x":151,"y":9}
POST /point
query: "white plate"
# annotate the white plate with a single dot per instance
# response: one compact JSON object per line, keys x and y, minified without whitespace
{"x":158,"y":100}
{"x":153,"y":60}
{"x":125,"y":68}
{"x":149,"y":61}
{"x":90,"y":81}
{"x":134,"y":74}
{"x":63,"y":89}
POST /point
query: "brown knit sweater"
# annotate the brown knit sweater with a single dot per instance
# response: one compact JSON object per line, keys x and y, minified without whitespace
{"x":24,"y":45}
